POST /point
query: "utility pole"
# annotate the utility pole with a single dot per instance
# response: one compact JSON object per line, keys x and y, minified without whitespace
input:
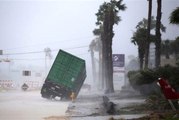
{"x":148,"y":34}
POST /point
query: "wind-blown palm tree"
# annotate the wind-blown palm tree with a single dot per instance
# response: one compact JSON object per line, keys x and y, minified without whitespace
{"x":139,"y":37}
{"x":106,"y":18}
{"x":94,"y":46}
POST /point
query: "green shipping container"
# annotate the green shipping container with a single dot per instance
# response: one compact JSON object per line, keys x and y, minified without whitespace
{"x":66,"y":75}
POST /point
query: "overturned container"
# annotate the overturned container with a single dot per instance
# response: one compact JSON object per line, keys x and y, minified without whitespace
{"x":65,"y":78}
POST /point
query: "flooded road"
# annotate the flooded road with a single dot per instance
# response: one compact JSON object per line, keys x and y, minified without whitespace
{"x":90,"y":107}
{"x":29,"y":105}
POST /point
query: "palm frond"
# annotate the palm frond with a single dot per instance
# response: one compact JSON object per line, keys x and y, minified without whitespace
{"x":174,"y":17}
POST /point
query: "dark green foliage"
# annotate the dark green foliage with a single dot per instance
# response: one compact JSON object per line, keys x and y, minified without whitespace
{"x":134,"y":76}
{"x":104,"y":8}
{"x":97,"y":32}
{"x":170,"y":73}
{"x":157,"y":102}
{"x":137,"y":78}
{"x":170,"y":47}
{"x":174,"y":17}
{"x":143,"y":24}
{"x":165,"y":48}
{"x":174,"y":46}
{"x":149,"y":76}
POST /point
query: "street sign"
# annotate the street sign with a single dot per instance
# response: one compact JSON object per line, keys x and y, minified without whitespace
{"x":118,"y":70}
{"x":118,"y":60}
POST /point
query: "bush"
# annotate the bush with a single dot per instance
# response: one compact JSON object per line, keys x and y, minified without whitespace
{"x":134,"y":76}
{"x":140,"y":83}
{"x":171,"y":74}
{"x":141,"y":80}
{"x":157,"y":102}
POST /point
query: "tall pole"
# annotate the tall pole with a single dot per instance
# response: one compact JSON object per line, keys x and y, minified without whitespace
{"x":158,"y":34}
{"x":148,"y":34}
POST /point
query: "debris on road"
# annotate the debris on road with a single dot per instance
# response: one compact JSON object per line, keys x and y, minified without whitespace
{"x":108,"y":105}
{"x":102,"y":107}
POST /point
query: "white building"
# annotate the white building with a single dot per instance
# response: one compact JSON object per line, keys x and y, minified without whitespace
{"x":13,"y":77}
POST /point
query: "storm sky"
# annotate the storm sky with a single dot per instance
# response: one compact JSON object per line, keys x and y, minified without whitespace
{"x":27,"y":27}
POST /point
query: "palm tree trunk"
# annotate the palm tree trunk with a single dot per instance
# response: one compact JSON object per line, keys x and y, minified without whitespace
{"x":148,"y":35}
{"x":105,"y":59}
{"x":108,"y":34}
{"x":103,"y":78}
{"x":93,"y":66}
{"x":100,"y":82}
{"x":110,"y":64}
{"x":141,"y":58}
{"x":158,"y":34}
{"x":110,"y":67}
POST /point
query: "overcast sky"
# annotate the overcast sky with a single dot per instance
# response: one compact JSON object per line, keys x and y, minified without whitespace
{"x":32,"y":25}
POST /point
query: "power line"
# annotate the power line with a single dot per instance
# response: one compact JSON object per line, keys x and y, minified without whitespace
{"x":23,"y":53}
{"x":47,"y":43}
{"x":36,"y":52}
{"x":35,"y":59}
{"x":28,"y":59}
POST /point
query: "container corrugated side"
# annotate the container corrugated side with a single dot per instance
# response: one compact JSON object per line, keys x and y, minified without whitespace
{"x":66,"y":69}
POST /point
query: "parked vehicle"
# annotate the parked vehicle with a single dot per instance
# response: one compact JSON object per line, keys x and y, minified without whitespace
{"x":65,"y":78}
